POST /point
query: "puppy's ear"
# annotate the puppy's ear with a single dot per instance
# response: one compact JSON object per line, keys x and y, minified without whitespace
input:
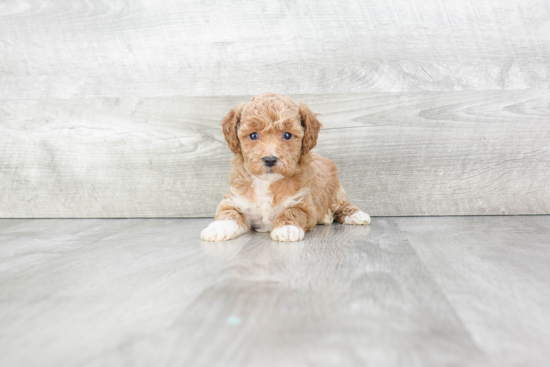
{"x":311,"y":127}
{"x":230,"y":124}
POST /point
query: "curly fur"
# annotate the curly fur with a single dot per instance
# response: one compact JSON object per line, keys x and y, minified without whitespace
{"x":301,"y":190}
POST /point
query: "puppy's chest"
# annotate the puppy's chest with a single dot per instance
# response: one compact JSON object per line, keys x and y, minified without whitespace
{"x":261,"y":212}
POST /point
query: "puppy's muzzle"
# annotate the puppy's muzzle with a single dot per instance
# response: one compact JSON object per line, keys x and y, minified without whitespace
{"x":270,"y":161}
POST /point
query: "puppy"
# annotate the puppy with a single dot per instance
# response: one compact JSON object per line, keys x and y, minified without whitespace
{"x":276,"y":183}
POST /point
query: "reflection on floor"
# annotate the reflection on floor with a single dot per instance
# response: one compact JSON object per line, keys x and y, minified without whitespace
{"x":426,"y":291}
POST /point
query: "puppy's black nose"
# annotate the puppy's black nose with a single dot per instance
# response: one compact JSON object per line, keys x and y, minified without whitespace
{"x":270,"y":161}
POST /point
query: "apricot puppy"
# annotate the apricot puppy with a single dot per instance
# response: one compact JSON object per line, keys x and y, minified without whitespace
{"x":276,"y":183}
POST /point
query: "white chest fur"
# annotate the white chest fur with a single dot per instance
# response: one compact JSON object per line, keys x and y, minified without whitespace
{"x":261,"y":213}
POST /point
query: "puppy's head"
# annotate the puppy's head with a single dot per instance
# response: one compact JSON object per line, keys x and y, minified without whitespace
{"x":271,"y":132}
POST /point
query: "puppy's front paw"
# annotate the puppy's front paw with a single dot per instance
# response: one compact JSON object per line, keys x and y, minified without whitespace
{"x":221,"y":230}
{"x":358,"y":218}
{"x":287,"y":233}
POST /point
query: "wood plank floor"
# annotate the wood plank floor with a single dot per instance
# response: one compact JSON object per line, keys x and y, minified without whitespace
{"x":428,"y":291}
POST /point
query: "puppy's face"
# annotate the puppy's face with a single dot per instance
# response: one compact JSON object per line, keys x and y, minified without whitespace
{"x":271,"y":132}
{"x":271,"y":136}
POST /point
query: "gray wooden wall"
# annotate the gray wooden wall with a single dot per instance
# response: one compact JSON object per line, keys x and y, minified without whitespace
{"x":111,"y":108}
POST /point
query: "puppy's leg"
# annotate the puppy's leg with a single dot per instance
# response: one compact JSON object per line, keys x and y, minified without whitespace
{"x":291,"y":224}
{"x":346,"y":213}
{"x":228,"y":225}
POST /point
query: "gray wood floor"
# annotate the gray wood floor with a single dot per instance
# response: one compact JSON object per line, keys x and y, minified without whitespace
{"x":429,"y":291}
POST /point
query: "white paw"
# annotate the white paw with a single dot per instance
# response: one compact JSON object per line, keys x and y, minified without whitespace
{"x":287,"y":234}
{"x":221,"y":230}
{"x":329,"y":218}
{"x":358,"y":218}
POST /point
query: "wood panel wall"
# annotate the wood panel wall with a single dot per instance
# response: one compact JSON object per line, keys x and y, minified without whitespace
{"x":111,"y":108}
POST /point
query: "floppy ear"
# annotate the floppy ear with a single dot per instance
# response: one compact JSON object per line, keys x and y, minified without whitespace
{"x":311,"y":127}
{"x":230,"y":124}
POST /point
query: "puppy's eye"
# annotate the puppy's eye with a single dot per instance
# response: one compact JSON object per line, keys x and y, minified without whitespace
{"x":287,"y":136}
{"x":253,"y":136}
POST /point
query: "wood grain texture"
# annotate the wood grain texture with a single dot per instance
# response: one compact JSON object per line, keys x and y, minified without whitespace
{"x":110,"y":108}
{"x":114,"y":48}
{"x":5,"y":223}
{"x":53,"y":238}
{"x":495,"y":272}
{"x":154,"y":294}
{"x":451,"y":291}
{"x":426,"y":153}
